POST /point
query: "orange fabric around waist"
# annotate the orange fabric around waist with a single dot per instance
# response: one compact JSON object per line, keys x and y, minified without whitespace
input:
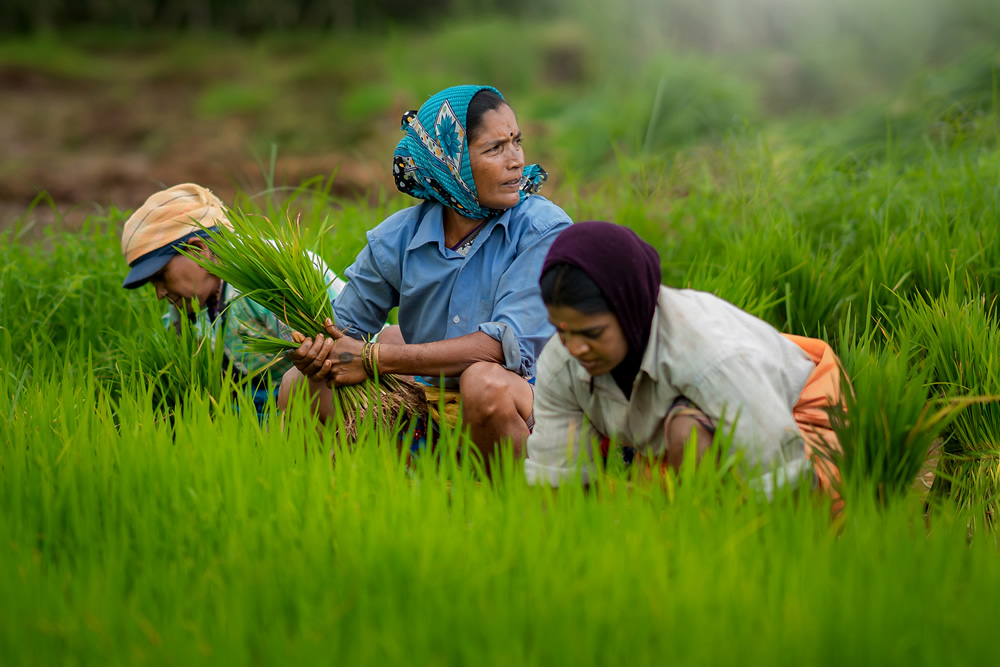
{"x":822,"y":390}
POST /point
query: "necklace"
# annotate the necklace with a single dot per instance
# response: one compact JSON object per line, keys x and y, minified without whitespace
{"x":463,"y":246}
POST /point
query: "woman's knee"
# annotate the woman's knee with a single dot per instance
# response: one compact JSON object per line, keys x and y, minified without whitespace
{"x":485,"y":389}
{"x":680,"y":428}
{"x":391,"y":335}
{"x":289,"y":380}
{"x":679,"y":431}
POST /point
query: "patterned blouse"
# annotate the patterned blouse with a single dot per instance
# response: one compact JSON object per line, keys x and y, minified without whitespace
{"x":240,"y":317}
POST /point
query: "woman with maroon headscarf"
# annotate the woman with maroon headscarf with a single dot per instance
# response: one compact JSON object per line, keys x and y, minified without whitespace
{"x":647,"y":364}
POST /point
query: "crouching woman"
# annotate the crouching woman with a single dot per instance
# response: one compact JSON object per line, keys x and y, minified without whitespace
{"x":181,"y":217}
{"x":648,"y":365}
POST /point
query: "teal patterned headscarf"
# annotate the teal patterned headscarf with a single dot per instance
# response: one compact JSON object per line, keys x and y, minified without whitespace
{"x":432,"y":161}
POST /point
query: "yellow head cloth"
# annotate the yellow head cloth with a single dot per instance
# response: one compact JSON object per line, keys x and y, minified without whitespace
{"x":171,"y":215}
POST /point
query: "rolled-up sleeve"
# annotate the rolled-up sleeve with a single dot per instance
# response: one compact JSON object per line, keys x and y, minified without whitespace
{"x":561,"y":433}
{"x":369,"y":294}
{"x":511,"y":345}
{"x":519,"y":320}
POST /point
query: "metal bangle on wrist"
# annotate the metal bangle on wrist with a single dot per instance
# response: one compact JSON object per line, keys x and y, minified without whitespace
{"x":369,"y":359}
{"x":366,"y":359}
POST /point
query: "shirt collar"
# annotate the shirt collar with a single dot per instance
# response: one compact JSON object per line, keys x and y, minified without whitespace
{"x":430,"y":226}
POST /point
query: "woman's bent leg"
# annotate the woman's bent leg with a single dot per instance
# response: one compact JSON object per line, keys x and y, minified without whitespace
{"x":391,"y":335}
{"x":321,"y":396}
{"x":496,"y":405}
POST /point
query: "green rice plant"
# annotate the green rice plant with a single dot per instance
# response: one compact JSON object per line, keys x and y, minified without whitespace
{"x":959,"y":340}
{"x":888,"y":426}
{"x":60,"y":291}
{"x":811,"y":288}
{"x":740,"y":289}
{"x":168,"y":363}
{"x":888,"y":423}
{"x":130,"y":540}
{"x":772,"y":272}
{"x":279,"y":273}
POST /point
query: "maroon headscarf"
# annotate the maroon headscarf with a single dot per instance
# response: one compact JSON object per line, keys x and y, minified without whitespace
{"x":627,"y":271}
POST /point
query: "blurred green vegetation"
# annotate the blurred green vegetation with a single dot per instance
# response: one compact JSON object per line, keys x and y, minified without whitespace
{"x":592,"y":84}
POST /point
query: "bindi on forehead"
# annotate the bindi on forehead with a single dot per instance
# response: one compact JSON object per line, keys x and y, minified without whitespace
{"x":509,"y":133}
{"x":508,"y":129}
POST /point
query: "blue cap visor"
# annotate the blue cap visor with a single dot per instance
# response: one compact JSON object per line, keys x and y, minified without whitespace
{"x":153,"y":262}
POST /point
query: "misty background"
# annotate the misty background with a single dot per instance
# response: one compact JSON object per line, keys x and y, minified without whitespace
{"x":105,"y":101}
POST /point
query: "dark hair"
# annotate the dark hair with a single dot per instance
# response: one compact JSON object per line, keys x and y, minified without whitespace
{"x":483,"y":101}
{"x":568,"y":285}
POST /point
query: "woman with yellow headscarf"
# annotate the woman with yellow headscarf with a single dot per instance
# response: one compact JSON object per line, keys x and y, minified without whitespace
{"x":152,"y":239}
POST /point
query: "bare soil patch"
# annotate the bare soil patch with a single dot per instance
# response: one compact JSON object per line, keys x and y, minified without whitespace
{"x":91,"y":143}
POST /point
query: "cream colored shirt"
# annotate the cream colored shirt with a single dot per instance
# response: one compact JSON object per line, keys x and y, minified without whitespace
{"x":736,"y":368}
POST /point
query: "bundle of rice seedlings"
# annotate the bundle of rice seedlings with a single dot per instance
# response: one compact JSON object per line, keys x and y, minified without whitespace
{"x":276,"y":270}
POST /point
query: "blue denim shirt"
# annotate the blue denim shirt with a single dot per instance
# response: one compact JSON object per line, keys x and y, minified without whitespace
{"x":442,"y":294}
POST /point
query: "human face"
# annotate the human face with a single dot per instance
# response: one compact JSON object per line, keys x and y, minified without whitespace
{"x":184,"y":283}
{"x":497,"y":159}
{"x":595,"y":340}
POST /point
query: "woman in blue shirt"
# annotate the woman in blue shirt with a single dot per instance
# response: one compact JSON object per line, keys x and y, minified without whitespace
{"x":462,"y":267}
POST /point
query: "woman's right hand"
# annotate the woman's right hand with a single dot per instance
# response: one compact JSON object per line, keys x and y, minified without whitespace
{"x":313,"y":356}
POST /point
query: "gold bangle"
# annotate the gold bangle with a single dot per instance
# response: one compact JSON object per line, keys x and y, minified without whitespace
{"x":366,"y":352}
{"x":375,"y":357}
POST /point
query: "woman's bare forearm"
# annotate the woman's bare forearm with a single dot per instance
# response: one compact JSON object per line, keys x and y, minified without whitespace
{"x":446,"y":357}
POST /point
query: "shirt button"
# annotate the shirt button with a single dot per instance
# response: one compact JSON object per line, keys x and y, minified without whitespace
{"x":456,"y":319}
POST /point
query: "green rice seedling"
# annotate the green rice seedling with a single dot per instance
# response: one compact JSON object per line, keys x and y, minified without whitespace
{"x":960,"y":342}
{"x":888,"y":426}
{"x":59,"y":292}
{"x":881,"y":452}
{"x":280,"y":274}
{"x":170,"y":364}
{"x":811,"y":288}
{"x":217,"y":539}
{"x":891,"y":420}
{"x":740,"y":289}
